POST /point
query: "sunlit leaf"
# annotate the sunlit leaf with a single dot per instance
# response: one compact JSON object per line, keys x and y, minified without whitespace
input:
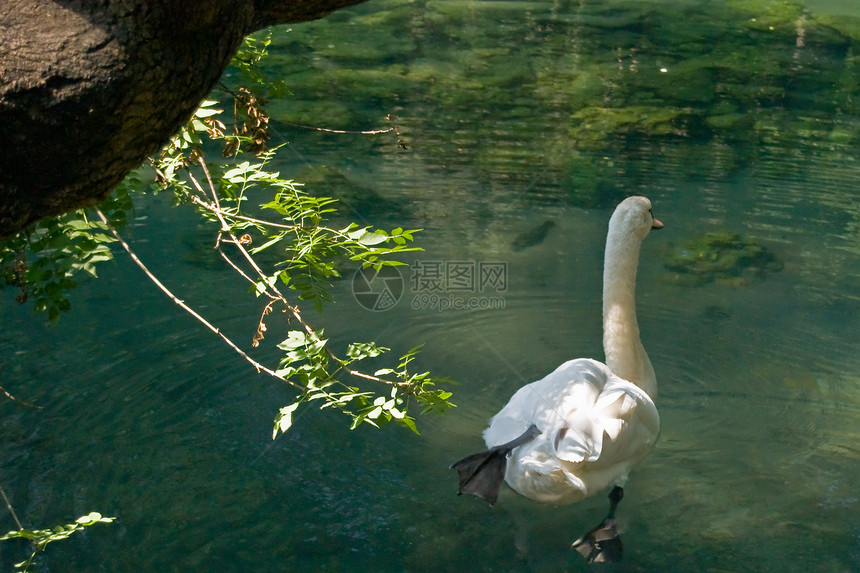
{"x":284,"y":420}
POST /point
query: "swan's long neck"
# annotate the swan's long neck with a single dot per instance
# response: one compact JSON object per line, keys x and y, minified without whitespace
{"x":622,"y":346}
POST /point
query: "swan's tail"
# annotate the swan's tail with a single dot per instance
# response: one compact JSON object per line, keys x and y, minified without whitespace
{"x":482,"y":474}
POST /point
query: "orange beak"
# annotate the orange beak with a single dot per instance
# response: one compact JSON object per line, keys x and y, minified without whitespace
{"x":656,"y":224}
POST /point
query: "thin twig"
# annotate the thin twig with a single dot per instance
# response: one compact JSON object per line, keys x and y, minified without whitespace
{"x":376,"y":378}
{"x":326,"y":129}
{"x":215,"y":209}
{"x":225,"y":229}
{"x":259,"y":367}
{"x":214,"y":195}
{"x":242,"y":273}
{"x":341,"y":131}
{"x":14,"y":399}
{"x":12,"y":511}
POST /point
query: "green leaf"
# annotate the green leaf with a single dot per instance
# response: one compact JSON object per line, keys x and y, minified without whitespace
{"x":361,"y":350}
{"x":272,"y":241}
{"x":409,"y":423}
{"x":295,"y":339}
{"x":239,"y":173}
{"x":284,"y":419}
{"x":366,"y":237}
{"x":204,"y":113}
{"x":94,"y":517}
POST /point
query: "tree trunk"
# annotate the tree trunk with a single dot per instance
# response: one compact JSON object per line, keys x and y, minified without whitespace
{"x":89,"y":89}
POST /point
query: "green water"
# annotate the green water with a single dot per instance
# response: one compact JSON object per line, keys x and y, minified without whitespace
{"x":737,"y":116}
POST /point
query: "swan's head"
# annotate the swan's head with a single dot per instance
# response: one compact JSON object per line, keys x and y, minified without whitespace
{"x":634,"y":216}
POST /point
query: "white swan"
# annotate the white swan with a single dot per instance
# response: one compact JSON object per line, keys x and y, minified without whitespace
{"x":582,"y":428}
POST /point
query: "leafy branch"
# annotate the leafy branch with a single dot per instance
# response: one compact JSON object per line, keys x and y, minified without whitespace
{"x":292,"y":223}
{"x":40,"y":538}
{"x":42,"y":261}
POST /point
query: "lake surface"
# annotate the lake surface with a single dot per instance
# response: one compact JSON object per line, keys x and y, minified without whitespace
{"x":739,"y":120}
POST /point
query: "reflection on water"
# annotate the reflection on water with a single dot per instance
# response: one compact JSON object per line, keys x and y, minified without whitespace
{"x":509,"y":115}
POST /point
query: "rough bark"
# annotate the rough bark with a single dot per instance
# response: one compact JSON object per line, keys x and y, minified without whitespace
{"x":90,"y":88}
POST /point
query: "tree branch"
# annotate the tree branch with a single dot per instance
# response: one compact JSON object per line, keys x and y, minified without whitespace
{"x":12,"y":511}
{"x":14,"y":399}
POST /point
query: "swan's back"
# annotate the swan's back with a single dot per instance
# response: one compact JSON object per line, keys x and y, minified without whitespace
{"x":594,"y":427}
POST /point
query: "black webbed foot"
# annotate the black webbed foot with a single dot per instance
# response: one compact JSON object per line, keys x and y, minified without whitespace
{"x":482,"y":474}
{"x":603,"y":543}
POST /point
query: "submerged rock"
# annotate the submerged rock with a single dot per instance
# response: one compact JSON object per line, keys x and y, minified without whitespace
{"x":721,"y":256}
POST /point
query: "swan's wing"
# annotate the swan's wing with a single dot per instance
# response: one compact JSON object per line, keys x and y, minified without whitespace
{"x":630,"y":408}
{"x":622,"y":422}
{"x":582,"y":439}
{"x":547,"y":402}
{"x":559,"y":404}
{"x":575,"y":427}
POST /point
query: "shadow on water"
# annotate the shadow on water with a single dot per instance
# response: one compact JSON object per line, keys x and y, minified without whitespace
{"x":736,"y":117}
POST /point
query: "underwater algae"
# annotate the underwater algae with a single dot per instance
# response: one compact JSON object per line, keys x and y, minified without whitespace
{"x":610,"y":78}
{"x":721,"y":256}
